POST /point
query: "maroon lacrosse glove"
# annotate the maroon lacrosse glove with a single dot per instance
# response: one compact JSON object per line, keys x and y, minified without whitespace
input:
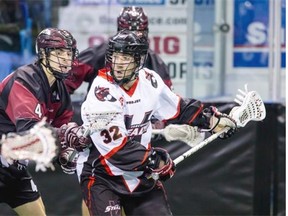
{"x":73,"y":135}
{"x":68,"y":159}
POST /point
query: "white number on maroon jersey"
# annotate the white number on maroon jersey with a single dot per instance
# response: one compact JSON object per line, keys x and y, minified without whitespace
{"x":38,"y":111}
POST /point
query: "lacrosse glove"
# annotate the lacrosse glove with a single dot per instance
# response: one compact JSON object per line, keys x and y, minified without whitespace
{"x":219,"y":120}
{"x":158,"y":171}
{"x":73,"y":136}
{"x":68,"y":159}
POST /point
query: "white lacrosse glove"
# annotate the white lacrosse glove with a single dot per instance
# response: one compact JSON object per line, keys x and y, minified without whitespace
{"x":185,"y":133}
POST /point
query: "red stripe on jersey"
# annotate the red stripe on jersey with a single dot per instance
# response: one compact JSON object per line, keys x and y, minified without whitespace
{"x":106,"y":167}
{"x":109,"y":155}
{"x":90,"y":184}
{"x":104,"y":74}
{"x":22,"y":103}
{"x":168,"y":83}
{"x":196,"y":114}
{"x":116,"y":149}
{"x":178,"y":110}
{"x":132,"y":89}
{"x":146,"y":154}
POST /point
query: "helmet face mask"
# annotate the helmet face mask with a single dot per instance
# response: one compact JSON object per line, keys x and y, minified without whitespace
{"x":56,"y":50}
{"x":123,"y":66}
{"x":125,"y":56}
{"x":60,"y":60}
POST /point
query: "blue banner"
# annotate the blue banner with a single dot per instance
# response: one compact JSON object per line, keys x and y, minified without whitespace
{"x":251,"y":22}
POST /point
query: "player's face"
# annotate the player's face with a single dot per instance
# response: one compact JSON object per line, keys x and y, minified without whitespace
{"x":123,"y":65}
{"x":61,"y":60}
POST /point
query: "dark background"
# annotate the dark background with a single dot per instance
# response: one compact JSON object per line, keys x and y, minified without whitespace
{"x":244,"y":175}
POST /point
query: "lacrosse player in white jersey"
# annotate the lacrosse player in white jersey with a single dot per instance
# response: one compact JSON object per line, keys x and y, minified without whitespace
{"x":121,"y":169}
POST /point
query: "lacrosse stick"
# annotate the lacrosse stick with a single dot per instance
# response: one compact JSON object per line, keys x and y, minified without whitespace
{"x":185,"y":133}
{"x":37,"y":144}
{"x":251,"y":109}
{"x":98,"y":121}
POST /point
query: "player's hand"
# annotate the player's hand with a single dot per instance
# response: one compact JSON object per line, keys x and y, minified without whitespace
{"x":161,"y":166}
{"x":68,"y":160}
{"x":73,"y":136}
{"x":219,"y":121}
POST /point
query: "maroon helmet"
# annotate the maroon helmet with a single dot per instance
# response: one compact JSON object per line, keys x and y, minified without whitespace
{"x":55,"y":38}
{"x":133,"y":19}
{"x":51,"y":39}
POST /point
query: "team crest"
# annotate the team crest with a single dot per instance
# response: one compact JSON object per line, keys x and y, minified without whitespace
{"x":103,"y":94}
{"x":152,"y":79}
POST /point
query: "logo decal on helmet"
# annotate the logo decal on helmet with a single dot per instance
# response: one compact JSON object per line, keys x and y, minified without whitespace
{"x":103,"y":94}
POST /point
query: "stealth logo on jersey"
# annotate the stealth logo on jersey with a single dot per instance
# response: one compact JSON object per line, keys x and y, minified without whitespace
{"x":152,"y":79}
{"x":103,"y":94}
{"x":112,"y":207}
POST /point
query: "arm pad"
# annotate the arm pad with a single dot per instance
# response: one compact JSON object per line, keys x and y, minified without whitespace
{"x":189,"y":113}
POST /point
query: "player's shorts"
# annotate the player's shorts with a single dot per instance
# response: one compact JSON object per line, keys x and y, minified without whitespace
{"x":101,"y":200}
{"x":16,"y":187}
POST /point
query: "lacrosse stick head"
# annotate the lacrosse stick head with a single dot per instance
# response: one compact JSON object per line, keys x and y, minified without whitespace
{"x":251,"y":108}
{"x":38,"y":144}
{"x":98,"y":121}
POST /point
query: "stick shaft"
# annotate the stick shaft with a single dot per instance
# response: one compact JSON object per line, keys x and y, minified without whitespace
{"x":199,"y":146}
{"x":157,"y":131}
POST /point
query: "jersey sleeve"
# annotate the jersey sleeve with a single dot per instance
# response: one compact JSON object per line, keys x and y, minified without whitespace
{"x":117,"y":153}
{"x":167,"y":105}
{"x":86,"y":67}
{"x":173,"y":109}
{"x":155,"y":63}
{"x":80,"y":73}
{"x":23,"y":108}
{"x":63,"y":118}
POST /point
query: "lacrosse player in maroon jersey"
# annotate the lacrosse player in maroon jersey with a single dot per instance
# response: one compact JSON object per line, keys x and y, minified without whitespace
{"x":93,"y":58}
{"x":121,"y":169}
{"x":29,"y":94}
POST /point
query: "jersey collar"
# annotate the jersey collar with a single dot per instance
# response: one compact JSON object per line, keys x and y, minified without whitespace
{"x":104,"y":74}
{"x":132,"y":89}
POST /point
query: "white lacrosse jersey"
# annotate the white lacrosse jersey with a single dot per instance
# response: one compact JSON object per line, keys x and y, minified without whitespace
{"x":112,"y":156}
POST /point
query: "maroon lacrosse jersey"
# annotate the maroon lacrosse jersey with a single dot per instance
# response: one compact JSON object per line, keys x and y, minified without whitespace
{"x":26,"y":98}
